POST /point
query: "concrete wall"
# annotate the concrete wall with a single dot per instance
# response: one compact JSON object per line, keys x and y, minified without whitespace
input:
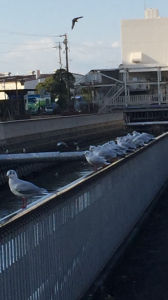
{"x":148,"y":37}
{"x":42,"y":135}
{"x":44,"y":126}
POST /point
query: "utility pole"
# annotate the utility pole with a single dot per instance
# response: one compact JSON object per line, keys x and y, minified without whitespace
{"x":60,"y":62}
{"x":67,"y":67}
{"x":66,"y":51}
{"x":17,"y":101}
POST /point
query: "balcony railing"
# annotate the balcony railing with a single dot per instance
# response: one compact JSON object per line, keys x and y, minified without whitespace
{"x":123,"y":101}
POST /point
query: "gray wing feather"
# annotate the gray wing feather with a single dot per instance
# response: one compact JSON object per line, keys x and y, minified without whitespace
{"x":27,"y":188}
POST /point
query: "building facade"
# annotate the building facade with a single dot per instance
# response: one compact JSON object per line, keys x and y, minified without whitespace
{"x":145,"y":41}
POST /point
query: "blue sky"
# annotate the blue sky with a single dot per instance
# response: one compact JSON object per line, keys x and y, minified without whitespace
{"x":29,"y":30}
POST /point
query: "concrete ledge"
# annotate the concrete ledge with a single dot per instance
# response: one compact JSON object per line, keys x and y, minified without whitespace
{"x":24,"y":128}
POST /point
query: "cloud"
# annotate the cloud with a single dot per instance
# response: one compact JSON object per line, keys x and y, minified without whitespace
{"x":95,"y":55}
{"x":82,"y":57}
{"x":31,"y":55}
{"x":116,"y":44}
{"x":88,"y":44}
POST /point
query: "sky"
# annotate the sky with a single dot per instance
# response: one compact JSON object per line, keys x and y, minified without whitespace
{"x":30,"y":33}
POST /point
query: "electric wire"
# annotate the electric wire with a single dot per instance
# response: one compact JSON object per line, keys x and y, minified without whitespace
{"x":93,"y":47}
{"x":27,"y":50}
{"x":27,"y":44}
{"x":28,"y":34}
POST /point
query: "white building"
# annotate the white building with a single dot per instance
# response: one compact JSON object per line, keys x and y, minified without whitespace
{"x":143,"y":73}
{"x":145,"y":41}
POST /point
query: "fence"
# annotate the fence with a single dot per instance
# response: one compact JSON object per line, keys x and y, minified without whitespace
{"x":56,"y":249}
{"x":122,"y":101}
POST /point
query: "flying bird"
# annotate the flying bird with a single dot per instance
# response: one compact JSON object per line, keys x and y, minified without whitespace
{"x":74,"y":21}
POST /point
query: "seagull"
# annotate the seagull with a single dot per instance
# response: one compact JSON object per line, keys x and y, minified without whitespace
{"x":61,"y":144}
{"x":24,"y":150}
{"x":108,"y":154}
{"x":22,"y":188}
{"x":95,"y":160}
{"x":74,"y":21}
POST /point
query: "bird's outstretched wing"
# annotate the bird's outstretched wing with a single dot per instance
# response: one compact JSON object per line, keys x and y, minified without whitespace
{"x":74,"y":21}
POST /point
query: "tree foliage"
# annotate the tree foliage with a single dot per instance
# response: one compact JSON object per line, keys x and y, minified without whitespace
{"x":86,"y":94}
{"x":56,"y":86}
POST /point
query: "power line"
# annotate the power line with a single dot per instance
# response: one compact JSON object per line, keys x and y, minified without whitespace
{"x":29,"y":34}
{"x":27,"y":50}
{"x":93,"y":47}
{"x":27,"y":44}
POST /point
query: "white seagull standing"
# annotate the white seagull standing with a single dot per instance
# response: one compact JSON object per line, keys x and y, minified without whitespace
{"x":103,"y":151}
{"x":22,"y":188}
{"x":95,"y":160}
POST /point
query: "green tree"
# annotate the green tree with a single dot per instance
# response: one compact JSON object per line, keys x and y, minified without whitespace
{"x":86,"y":93}
{"x":56,"y":86}
{"x":65,"y":76}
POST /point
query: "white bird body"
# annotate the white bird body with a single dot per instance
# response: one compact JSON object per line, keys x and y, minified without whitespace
{"x":115,"y":148}
{"x":22,"y":188}
{"x":142,"y":138}
{"x":103,"y":151}
{"x":128,"y":145}
{"x":95,"y":160}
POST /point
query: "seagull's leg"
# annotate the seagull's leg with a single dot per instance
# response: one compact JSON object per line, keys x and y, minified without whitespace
{"x":116,"y":159}
{"x":23,"y":205}
{"x":24,"y":202}
{"x":95,"y":169}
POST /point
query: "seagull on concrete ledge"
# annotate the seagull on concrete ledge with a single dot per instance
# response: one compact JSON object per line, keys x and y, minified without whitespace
{"x":22,"y":188}
{"x":74,"y":21}
{"x":95,"y":160}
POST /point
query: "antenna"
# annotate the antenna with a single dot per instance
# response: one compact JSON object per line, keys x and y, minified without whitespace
{"x":145,"y":5}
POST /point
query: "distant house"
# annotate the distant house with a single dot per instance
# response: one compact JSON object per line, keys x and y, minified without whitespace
{"x":41,"y":78}
{"x":12,"y":82}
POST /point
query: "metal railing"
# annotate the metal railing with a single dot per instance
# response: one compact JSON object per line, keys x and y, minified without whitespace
{"x":122,"y":101}
{"x":112,"y":99}
{"x":56,"y":249}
